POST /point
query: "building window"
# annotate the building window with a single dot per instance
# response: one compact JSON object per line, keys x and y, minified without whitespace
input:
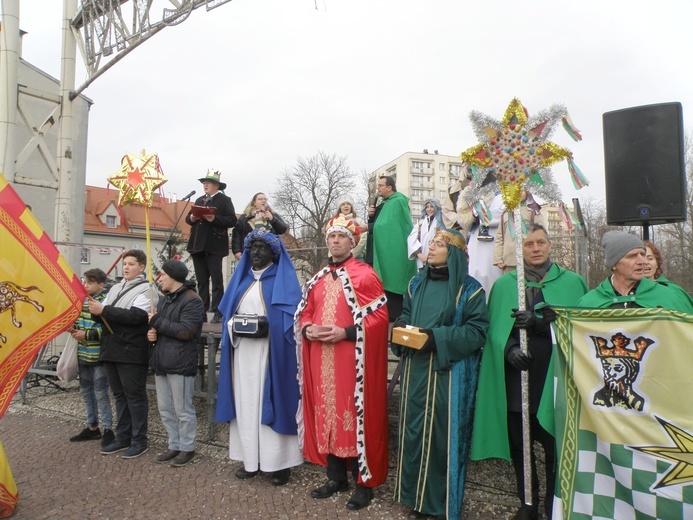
{"x":441,"y":167}
{"x":442,"y":180}
{"x":416,"y":209}
{"x":84,"y":257}
{"x":443,"y":194}
{"x":455,"y":169}
{"x":110,"y":221}
{"x":104,"y":251}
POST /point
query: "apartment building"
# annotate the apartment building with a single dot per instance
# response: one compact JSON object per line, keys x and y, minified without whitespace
{"x":422,"y":175}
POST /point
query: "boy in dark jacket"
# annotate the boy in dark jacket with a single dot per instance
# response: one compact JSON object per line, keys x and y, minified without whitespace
{"x":175,"y":329}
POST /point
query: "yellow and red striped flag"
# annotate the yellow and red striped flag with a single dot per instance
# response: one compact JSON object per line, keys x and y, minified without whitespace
{"x":40,"y":296}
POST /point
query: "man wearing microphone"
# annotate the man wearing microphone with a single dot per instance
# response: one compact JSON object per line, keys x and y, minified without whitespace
{"x":209,"y":219}
{"x":389,"y":225}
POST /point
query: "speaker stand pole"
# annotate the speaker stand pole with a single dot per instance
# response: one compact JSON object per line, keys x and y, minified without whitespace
{"x":645,"y":231}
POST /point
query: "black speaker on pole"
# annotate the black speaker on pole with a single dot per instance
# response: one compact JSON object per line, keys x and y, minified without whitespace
{"x":644,"y":165}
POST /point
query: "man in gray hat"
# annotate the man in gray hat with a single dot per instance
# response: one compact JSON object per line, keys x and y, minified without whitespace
{"x":209,"y":239}
{"x":627,"y":286}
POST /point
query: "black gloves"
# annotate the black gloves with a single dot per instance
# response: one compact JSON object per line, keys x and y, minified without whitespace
{"x":524,"y":319}
{"x":527,"y":319}
{"x":430,"y":344}
{"x":400,"y":322}
{"x":548,"y":314}
{"x":517,"y":358}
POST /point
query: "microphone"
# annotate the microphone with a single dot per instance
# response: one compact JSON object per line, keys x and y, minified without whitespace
{"x":189,"y":195}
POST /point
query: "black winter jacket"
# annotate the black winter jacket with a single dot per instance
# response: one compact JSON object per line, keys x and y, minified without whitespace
{"x":212,"y":237}
{"x":124,"y":339}
{"x":242,"y":228}
{"x":178,"y":323}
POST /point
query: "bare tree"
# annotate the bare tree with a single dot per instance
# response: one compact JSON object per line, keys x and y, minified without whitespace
{"x":307,"y":194}
{"x":676,"y":240}
{"x":594,"y":214}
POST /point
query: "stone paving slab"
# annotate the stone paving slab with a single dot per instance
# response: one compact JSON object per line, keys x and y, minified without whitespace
{"x":58,"y":479}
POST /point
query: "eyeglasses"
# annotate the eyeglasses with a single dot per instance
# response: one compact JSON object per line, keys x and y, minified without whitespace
{"x":437,"y":243}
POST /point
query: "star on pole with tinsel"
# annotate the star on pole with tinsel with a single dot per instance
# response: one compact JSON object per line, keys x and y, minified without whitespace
{"x":136,"y":181}
{"x":515,"y":151}
{"x":138,"y":178}
{"x":511,"y":154}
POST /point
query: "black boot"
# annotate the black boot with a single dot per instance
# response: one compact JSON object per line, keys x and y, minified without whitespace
{"x":361,"y":498}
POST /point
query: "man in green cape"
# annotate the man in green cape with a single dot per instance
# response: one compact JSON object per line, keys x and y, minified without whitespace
{"x":438,"y":382}
{"x":498,"y":418}
{"x":627,"y":286}
{"x":389,"y":226}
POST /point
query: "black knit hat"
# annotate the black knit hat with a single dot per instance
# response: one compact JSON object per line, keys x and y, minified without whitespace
{"x":175,"y":269}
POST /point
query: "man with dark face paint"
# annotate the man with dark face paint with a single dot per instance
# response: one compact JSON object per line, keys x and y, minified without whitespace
{"x":260,"y":255}
{"x":258,"y":389}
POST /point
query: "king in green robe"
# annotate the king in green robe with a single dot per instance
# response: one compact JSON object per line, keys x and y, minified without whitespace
{"x":438,"y":382}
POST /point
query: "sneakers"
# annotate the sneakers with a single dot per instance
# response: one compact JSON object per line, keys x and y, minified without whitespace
{"x":135,"y":451}
{"x":166,"y":456}
{"x":86,"y":435}
{"x":114,"y":447}
{"x":217,"y":318}
{"x":183,"y":458}
{"x":107,"y":438}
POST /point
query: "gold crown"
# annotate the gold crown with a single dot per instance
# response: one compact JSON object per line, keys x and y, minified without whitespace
{"x":452,"y":238}
{"x":635,"y":352}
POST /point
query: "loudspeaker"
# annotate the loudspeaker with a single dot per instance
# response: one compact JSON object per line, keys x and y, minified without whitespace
{"x":644,"y":165}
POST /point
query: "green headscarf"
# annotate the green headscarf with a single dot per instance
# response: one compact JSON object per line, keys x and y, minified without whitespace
{"x":458,"y":268}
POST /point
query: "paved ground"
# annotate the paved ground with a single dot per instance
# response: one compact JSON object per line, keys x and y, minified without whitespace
{"x":58,"y":479}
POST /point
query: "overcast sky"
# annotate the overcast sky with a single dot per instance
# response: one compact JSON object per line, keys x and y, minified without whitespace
{"x":249,"y":87}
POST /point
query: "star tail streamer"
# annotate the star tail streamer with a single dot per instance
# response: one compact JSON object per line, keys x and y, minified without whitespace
{"x":570,"y":128}
{"x":568,"y":217}
{"x":624,"y":445}
{"x":579,"y":180}
{"x":483,"y":210}
{"x":41,"y":294}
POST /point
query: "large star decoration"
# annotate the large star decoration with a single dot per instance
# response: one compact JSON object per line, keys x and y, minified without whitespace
{"x":515,"y":149}
{"x":138,"y":178}
{"x":681,"y":455}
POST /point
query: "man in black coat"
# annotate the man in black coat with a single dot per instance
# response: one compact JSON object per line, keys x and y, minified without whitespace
{"x":209,"y":239}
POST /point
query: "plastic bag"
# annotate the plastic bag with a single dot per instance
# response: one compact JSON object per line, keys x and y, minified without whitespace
{"x":67,"y":368}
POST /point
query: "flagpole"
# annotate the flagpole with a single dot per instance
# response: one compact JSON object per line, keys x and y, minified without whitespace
{"x":521,"y":306}
{"x":150,"y":278}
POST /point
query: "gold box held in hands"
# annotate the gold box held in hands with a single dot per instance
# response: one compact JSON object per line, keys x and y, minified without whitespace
{"x":409,"y":336}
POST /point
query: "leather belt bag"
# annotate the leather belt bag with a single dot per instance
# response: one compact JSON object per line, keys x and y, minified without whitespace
{"x":250,"y":326}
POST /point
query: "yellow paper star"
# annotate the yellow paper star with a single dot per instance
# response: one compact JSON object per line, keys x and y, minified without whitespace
{"x":138,"y":178}
{"x":682,"y":455}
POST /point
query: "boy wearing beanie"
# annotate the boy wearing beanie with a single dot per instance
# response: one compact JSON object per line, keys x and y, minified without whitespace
{"x":175,"y":330}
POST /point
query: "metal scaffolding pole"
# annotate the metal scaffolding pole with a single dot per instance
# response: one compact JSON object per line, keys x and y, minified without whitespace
{"x":63,"y":198}
{"x":9,"y":66}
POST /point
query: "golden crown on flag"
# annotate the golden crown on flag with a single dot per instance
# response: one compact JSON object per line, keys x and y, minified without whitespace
{"x":619,"y":344}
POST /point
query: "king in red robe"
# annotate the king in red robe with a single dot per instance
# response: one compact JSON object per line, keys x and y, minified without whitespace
{"x":341,"y":330}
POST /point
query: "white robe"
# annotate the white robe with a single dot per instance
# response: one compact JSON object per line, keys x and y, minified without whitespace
{"x":257,"y":445}
{"x":481,"y":253}
{"x":419,"y":239}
